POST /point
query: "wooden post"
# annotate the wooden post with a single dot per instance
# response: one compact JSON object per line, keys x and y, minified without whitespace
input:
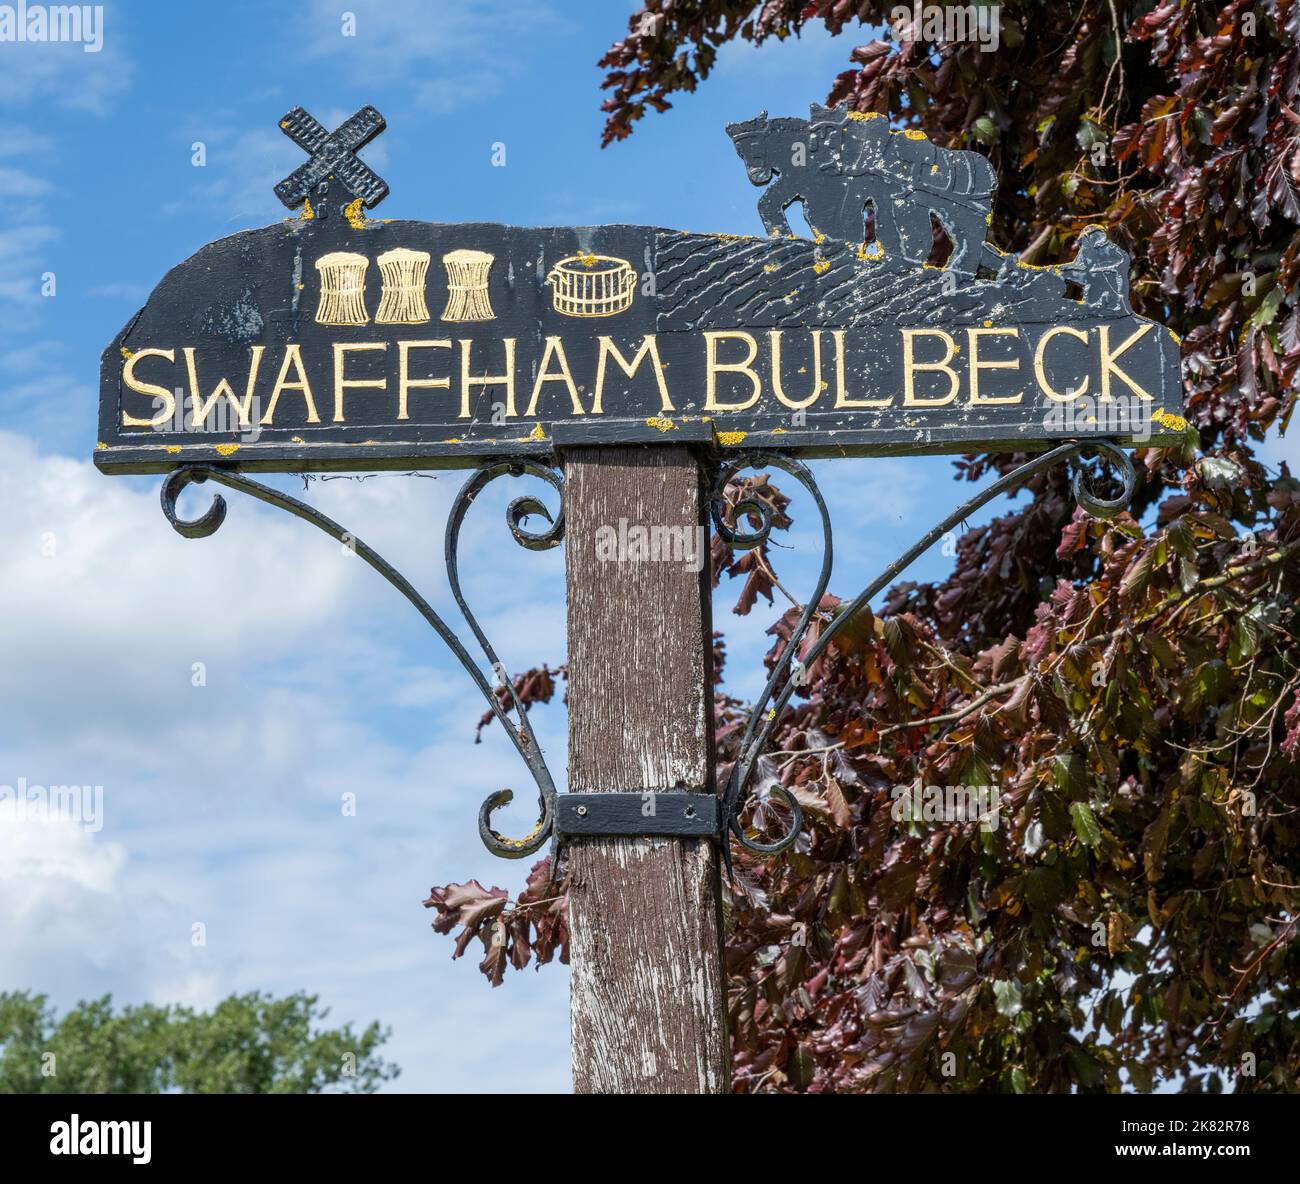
{"x":647,"y":996}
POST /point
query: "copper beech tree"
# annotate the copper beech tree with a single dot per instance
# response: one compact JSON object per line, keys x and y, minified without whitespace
{"x":1129,"y":687}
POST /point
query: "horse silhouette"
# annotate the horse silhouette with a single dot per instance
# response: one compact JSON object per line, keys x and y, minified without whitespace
{"x":837,"y":163}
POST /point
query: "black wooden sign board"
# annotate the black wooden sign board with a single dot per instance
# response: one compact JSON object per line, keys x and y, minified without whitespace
{"x":336,"y":341}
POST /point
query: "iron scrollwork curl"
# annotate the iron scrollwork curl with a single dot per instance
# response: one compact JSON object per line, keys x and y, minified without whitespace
{"x":520,"y":728}
{"x":771,"y":703}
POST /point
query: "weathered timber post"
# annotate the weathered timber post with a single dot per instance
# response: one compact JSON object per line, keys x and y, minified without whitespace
{"x":648,"y":1004}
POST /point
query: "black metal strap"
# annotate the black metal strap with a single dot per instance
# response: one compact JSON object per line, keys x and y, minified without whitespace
{"x":637,"y":813}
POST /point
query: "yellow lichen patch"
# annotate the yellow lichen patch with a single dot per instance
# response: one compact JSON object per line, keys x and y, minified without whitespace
{"x":297,"y":440}
{"x":821,"y":265}
{"x":587,"y":260}
{"x":126,"y":353}
{"x":865,"y":115}
{"x":174,"y":449}
{"x":769,"y":268}
{"x":934,"y":168}
{"x":519,"y":844}
{"x":101,"y":447}
{"x":660,"y":423}
{"x":818,"y":237}
{"x":875,"y":251}
{"x":284,"y":124}
{"x":913,"y":134}
{"x":537,"y":433}
{"x":352,"y":212}
{"x":227,"y":449}
{"x":778,"y":431}
{"x":730,"y":238}
{"x":731,"y":439}
{"x":452,"y":440}
{"x":1174,"y":422}
{"x":988,"y":324}
{"x":307,"y":212}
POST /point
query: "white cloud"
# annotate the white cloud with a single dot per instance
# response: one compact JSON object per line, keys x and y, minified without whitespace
{"x":454,"y":55}
{"x":19,"y":185}
{"x":58,"y":854}
{"x":27,"y":242}
{"x":27,"y":252}
{"x":24,"y":257}
{"x":20,"y":141}
{"x":65,"y":74}
{"x":815,"y":57}
{"x":135,"y":294}
{"x":237,"y":182}
{"x":223,"y":803}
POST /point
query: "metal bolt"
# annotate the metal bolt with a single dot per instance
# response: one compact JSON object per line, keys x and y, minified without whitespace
{"x":690,"y":811}
{"x":582,"y":811}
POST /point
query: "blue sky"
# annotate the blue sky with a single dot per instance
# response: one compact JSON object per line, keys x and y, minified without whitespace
{"x":222,"y":801}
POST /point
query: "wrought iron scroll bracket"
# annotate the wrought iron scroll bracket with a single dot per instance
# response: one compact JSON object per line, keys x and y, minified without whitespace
{"x":519,"y":728}
{"x":679,"y":814}
{"x":788,"y":672}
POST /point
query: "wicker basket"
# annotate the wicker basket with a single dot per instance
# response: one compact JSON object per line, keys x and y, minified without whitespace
{"x":591,"y":285}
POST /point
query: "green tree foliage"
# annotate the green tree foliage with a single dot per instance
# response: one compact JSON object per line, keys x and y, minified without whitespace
{"x":247,"y":1044}
{"x":1129,"y":687}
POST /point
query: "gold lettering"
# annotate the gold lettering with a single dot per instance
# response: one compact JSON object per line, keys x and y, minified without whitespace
{"x":148,"y":388}
{"x":342,"y":383}
{"x":714,"y":367}
{"x":1108,"y":360}
{"x":467,"y":380}
{"x":775,"y":337}
{"x":405,"y":383}
{"x":222,"y":389}
{"x":292,"y":356}
{"x":841,"y":391}
{"x":649,"y":347}
{"x":910,"y":366}
{"x":1040,"y":371}
{"x":555,"y":346}
{"x":973,"y":340}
